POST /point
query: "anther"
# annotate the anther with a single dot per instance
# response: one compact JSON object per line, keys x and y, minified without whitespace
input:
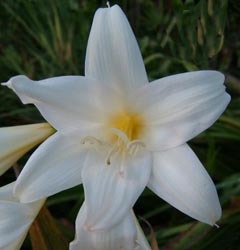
{"x":111,"y":153}
{"x":90,"y":140}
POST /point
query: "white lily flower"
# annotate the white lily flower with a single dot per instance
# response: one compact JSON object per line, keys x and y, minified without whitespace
{"x":118,"y":133}
{"x":126,"y":235}
{"x":15,"y":218}
{"x":18,"y":140}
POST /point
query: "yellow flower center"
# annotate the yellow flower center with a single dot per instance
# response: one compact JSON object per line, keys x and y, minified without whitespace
{"x":129,"y":124}
{"x":126,"y":137}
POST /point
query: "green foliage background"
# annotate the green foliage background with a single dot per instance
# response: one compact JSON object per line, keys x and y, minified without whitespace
{"x":42,"y":38}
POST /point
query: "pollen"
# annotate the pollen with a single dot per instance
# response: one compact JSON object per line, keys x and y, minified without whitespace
{"x":132,"y":125}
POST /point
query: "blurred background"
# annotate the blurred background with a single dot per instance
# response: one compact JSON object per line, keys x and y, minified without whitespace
{"x":41,"y":38}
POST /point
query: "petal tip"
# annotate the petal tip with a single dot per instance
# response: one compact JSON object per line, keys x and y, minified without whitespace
{"x":8,"y":83}
{"x":218,"y":213}
{"x":15,"y":79}
{"x":108,"y":9}
{"x":218,"y":75}
{"x":228,"y":98}
{"x":19,"y":84}
{"x":5,"y":83}
{"x":215,"y":215}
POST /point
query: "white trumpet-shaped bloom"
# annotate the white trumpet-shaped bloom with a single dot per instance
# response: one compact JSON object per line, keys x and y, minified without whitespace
{"x":117,"y":133}
{"x":15,"y":218}
{"x":16,"y":141}
{"x":126,"y":235}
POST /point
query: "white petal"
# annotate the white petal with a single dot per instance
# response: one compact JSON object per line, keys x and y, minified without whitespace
{"x":15,"y":220}
{"x":142,"y":243}
{"x":111,"y":190}
{"x":67,"y":102}
{"x":6,"y":192}
{"x":55,"y":166}
{"x":122,"y":236}
{"x":16,"y":141}
{"x":113,"y":55}
{"x":179,"y":178}
{"x":179,"y":107}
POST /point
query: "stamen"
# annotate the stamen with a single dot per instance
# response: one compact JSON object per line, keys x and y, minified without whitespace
{"x":108,"y":4}
{"x":111,"y":153}
{"x":90,"y":140}
{"x":119,"y":144}
{"x":134,"y":146}
{"x":121,"y":135}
